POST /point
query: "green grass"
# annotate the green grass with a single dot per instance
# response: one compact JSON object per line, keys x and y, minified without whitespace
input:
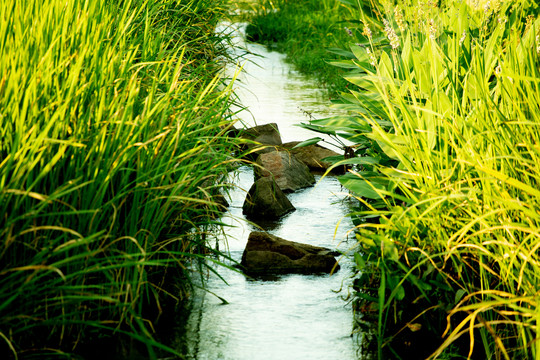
{"x":113,"y":147}
{"x":444,"y":114}
{"x":457,"y":123}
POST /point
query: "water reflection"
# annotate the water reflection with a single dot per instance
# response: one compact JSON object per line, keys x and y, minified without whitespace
{"x":272,"y":90}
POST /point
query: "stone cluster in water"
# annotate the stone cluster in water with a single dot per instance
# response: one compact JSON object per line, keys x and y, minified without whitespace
{"x":278,"y":170}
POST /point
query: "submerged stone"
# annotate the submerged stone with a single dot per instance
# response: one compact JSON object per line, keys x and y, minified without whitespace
{"x":269,"y":254}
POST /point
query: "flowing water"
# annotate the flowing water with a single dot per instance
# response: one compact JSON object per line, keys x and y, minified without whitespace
{"x":288,"y":316}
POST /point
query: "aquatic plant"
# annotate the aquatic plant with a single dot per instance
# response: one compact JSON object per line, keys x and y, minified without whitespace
{"x":113,"y":148}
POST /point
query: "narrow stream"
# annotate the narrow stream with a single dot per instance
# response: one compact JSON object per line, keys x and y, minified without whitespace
{"x":288,"y":316}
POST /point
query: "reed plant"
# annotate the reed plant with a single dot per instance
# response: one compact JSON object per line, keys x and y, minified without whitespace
{"x":445,"y":116}
{"x":113,"y":149}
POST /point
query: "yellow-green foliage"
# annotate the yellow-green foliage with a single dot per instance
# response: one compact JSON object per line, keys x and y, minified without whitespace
{"x":448,"y":96}
{"x":111,"y":132}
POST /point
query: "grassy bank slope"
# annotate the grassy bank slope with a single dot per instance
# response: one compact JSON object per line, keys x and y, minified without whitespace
{"x":111,"y":149}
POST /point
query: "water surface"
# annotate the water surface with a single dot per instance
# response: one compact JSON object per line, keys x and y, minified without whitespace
{"x":290,"y":316}
{"x":273,"y":91}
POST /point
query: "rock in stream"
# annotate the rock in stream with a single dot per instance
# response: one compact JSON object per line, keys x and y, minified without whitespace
{"x":268,"y":254}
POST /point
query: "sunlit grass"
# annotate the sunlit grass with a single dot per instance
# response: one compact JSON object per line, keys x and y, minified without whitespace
{"x":112,"y":148}
{"x":446,"y":116}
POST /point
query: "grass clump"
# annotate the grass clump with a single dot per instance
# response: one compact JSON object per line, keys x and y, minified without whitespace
{"x":113,"y":149}
{"x":445,"y":119}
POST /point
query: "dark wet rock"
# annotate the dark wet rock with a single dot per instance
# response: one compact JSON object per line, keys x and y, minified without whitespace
{"x":269,"y":254}
{"x":289,"y":173}
{"x":266,"y":135}
{"x":313,"y":155}
{"x":266,"y":201}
